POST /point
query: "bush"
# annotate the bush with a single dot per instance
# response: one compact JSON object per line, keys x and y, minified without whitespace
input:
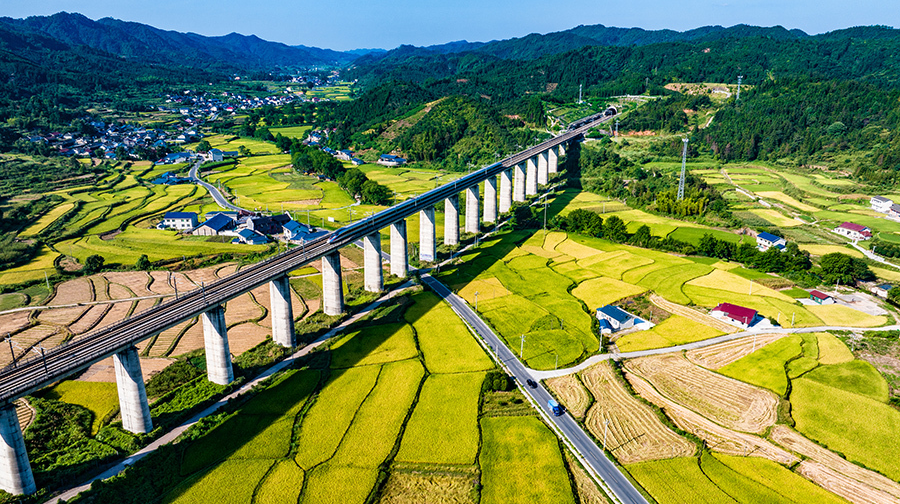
{"x":496,"y":381}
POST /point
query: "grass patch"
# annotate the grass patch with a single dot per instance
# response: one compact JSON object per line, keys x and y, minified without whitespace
{"x":443,"y":428}
{"x":507,"y":442}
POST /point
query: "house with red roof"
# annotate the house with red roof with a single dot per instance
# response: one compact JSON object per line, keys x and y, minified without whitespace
{"x":821,"y":298}
{"x":735,"y":315}
{"x":853,"y":231}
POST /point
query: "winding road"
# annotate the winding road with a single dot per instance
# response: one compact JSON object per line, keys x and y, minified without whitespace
{"x":213,"y":191}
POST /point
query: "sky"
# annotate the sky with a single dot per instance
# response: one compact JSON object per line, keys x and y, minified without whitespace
{"x":352,"y":24}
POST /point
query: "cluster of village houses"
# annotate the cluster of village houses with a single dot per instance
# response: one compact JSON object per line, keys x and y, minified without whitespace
{"x":245,"y":227}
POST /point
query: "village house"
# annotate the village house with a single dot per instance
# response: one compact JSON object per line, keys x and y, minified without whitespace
{"x":894,"y":212}
{"x":390,"y":160}
{"x":612,"y":319}
{"x":735,"y":315}
{"x":182,"y":221}
{"x":853,"y":231}
{"x":214,"y":226}
{"x":881,"y":290}
{"x":250,"y":237}
{"x":765,"y":241}
{"x":880,"y":204}
{"x":821,"y":298}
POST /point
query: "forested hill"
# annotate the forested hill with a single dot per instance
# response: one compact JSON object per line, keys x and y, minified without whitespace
{"x":146,"y":44}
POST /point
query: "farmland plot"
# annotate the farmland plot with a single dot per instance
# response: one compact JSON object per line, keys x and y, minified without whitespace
{"x":729,"y":402}
{"x":635,"y":433}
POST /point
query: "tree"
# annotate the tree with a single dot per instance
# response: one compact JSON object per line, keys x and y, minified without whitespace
{"x":642,"y":236}
{"x":374,"y":193}
{"x":203,"y":146}
{"x":93,"y":264}
{"x":894,"y":295}
{"x":143,"y":263}
{"x":841,"y":268}
{"x":614,"y":229}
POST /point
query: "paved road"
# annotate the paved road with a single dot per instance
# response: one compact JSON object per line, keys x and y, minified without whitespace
{"x":872,"y":255}
{"x":213,"y":191}
{"x":584,"y":446}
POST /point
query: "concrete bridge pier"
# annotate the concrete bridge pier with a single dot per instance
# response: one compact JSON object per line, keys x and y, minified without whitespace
{"x":490,"y":200}
{"x":282,"y":312}
{"x":215,"y":338}
{"x":553,"y":158}
{"x":133,"y":404}
{"x":473,"y":219}
{"x":519,"y":191}
{"x":374,"y":281}
{"x":332,"y":288}
{"x":15,"y":468}
{"x":562,"y":149}
{"x":427,"y":235}
{"x":451,"y":220}
{"x":399,"y":258}
{"x":543,"y":168}
{"x":531,"y":177}
{"x":506,"y":192}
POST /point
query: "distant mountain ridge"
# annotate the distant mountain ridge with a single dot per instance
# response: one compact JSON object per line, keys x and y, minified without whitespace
{"x":144,"y":43}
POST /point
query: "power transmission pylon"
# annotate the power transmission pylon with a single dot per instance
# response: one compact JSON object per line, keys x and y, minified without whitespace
{"x":683,"y":164}
{"x":740,"y":78}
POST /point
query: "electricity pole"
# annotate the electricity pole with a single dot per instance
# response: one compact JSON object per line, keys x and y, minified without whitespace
{"x":605,"y":431}
{"x":522,"y":347}
{"x":683,"y":166}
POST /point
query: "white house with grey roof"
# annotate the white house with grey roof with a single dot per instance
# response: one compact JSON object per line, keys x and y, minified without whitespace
{"x":881,"y":204}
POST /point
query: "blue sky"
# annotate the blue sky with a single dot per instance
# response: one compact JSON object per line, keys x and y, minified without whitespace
{"x":351,"y":24}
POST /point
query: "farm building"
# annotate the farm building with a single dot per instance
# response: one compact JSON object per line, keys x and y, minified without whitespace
{"x":212,"y":227}
{"x":268,"y":225}
{"x":853,"y":231}
{"x":880,"y":204}
{"x":215,"y":155}
{"x":390,"y":160}
{"x":301,"y":233}
{"x":183,"y":221}
{"x":881,"y":290}
{"x":615,"y":317}
{"x":821,"y":297}
{"x":169,"y":178}
{"x":894,"y":212}
{"x":344,"y":155}
{"x":765,"y":241}
{"x":250,"y":237}
{"x":735,"y":315}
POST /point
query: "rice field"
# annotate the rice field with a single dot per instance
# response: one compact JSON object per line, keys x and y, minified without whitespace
{"x":766,"y":366}
{"x":507,"y":442}
{"x":634,"y":432}
{"x":731,"y":403}
{"x":675,"y":330}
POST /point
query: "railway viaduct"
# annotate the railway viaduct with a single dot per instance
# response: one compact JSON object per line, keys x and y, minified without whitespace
{"x":519,"y":177}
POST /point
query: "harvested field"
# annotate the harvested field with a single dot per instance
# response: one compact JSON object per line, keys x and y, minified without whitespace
{"x":27,"y":338}
{"x":422,"y":488}
{"x":136,"y":281}
{"x":12,"y":322}
{"x":245,"y":336}
{"x":844,"y":486}
{"x":635,"y":433}
{"x":261,"y":296}
{"x":90,"y":319}
{"x":101,"y":289}
{"x":242,"y":309}
{"x":205,"y":275}
{"x":160,"y":284}
{"x":587,"y":490}
{"x":105,"y":370}
{"x":797,"y":443}
{"x":73,"y":291}
{"x":729,"y":402}
{"x":692,"y":314}
{"x":24,"y":413}
{"x":719,"y":355}
{"x":116,"y":313}
{"x":227,"y":270}
{"x":718,"y":438}
{"x":117,"y":291}
{"x":192,"y":339}
{"x":61,"y":316}
{"x":572,"y":393}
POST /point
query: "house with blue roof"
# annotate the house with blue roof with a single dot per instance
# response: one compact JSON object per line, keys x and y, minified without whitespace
{"x":214,"y":226}
{"x":765,"y":241}
{"x":250,"y":237}
{"x":390,"y":160}
{"x":616,"y":318}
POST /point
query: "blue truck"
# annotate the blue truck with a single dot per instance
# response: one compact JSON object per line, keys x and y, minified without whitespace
{"x":554,"y":407}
